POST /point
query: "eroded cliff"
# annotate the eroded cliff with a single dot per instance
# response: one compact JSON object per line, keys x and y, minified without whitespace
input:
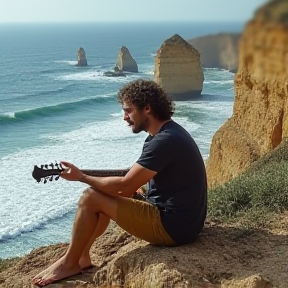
{"x":260,"y":114}
{"x":218,"y":51}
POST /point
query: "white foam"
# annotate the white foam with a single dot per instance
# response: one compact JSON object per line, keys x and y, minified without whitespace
{"x":223,"y":82}
{"x":70,"y":62}
{"x":87,"y":75}
{"x":9,"y":114}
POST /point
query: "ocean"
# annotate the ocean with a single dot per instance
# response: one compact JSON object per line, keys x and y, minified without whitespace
{"x":51,"y":110}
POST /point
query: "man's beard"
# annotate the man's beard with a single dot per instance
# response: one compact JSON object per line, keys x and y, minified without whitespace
{"x":142,"y":126}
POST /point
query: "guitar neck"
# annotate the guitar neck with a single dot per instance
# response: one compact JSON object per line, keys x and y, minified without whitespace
{"x":106,"y":172}
{"x":45,"y":174}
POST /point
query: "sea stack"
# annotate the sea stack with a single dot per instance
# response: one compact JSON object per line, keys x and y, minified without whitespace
{"x":260,"y":114}
{"x":82,"y":61}
{"x":178,"y":69}
{"x":125,"y":62}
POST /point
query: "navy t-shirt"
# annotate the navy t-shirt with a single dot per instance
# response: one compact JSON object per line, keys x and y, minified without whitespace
{"x":179,"y":189}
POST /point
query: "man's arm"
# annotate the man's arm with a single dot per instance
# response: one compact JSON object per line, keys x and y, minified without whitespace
{"x":115,"y":186}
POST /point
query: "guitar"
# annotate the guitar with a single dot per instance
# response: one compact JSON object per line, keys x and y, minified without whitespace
{"x":50,"y":172}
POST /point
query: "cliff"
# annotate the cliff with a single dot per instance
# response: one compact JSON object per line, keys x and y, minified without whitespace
{"x":218,"y":51}
{"x":178,"y":69}
{"x":260,"y":113}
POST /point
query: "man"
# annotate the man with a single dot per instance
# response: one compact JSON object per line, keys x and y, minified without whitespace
{"x":176,"y":199}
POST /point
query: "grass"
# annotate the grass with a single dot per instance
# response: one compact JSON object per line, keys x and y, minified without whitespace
{"x":256,"y":196}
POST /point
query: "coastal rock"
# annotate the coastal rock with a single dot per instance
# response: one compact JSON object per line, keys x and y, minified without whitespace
{"x":82,"y":61}
{"x":125,"y":62}
{"x":218,"y":51}
{"x":178,"y":69}
{"x":222,"y":254}
{"x":115,"y":73}
{"x":260,"y":115}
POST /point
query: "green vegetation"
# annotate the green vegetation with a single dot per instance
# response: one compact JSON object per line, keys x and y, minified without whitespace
{"x":256,"y":196}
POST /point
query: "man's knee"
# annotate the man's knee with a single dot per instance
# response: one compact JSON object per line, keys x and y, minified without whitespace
{"x":89,"y":197}
{"x":99,"y":202}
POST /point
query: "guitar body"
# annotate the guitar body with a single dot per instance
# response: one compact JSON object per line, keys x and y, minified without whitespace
{"x":51,"y":172}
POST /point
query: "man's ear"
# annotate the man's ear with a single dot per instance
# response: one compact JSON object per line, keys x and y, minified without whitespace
{"x":147,"y":109}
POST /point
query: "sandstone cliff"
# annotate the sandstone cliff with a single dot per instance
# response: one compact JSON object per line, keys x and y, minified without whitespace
{"x":218,"y":51}
{"x":82,"y":61}
{"x":260,"y":114}
{"x":125,"y":62}
{"x":178,"y":69}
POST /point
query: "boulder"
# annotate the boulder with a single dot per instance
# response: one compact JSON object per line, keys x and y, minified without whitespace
{"x":114,"y":74}
{"x":125,"y":62}
{"x":260,"y":114}
{"x":82,"y":61}
{"x":178,"y":69}
{"x":218,"y":51}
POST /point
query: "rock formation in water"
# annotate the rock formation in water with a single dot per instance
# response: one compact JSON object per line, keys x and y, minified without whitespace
{"x":125,"y":62}
{"x":260,"y":115}
{"x":218,"y":51}
{"x":178,"y":69}
{"x":82,"y":61}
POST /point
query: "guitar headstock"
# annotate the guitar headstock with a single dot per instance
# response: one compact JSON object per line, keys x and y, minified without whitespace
{"x":47,"y":172}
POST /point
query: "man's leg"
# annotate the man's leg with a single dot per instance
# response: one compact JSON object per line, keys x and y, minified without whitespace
{"x":88,"y":217}
{"x":103,"y":222}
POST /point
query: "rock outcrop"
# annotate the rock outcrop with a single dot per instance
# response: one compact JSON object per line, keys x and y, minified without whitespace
{"x":125,"y":62}
{"x":260,"y":115}
{"x":223,"y":256}
{"x":82,"y":61}
{"x":116,"y":73}
{"x":178,"y":69}
{"x":218,"y":51}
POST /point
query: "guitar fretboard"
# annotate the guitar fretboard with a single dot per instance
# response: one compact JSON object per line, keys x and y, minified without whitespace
{"x":105,"y":172}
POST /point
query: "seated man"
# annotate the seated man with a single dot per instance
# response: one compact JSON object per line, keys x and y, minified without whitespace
{"x":174,"y":210}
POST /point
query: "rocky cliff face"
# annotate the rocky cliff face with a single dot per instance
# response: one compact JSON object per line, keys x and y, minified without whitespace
{"x":178,"y":68}
{"x":82,"y":61}
{"x":218,"y":51}
{"x":260,"y":114}
{"x":125,"y":62}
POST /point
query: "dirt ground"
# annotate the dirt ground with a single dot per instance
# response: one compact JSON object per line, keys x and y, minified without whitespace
{"x":224,"y":256}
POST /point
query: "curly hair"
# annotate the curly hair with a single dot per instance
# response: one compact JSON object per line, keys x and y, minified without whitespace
{"x":142,"y":92}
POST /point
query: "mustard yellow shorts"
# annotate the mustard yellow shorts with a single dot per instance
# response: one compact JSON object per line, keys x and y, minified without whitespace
{"x":142,"y":219}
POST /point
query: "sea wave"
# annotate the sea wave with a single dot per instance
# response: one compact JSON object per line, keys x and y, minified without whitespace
{"x":8,"y":232}
{"x":49,"y":111}
{"x":37,"y":94}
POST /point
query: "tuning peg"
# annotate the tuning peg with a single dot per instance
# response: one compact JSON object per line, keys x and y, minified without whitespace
{"x":50,"y":178}
{"x":46,"y":166}
{"x":51,"y":165}
{"x":45,"y":181}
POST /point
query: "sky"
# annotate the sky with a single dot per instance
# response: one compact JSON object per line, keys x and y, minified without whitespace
{"x":127,"y":10}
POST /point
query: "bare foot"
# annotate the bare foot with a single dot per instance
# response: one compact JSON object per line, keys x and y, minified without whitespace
{"x":57,"y":271}
{"x":85,"y":262}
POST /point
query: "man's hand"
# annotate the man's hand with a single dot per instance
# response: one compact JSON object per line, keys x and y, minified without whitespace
{"x":71,"y":172}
